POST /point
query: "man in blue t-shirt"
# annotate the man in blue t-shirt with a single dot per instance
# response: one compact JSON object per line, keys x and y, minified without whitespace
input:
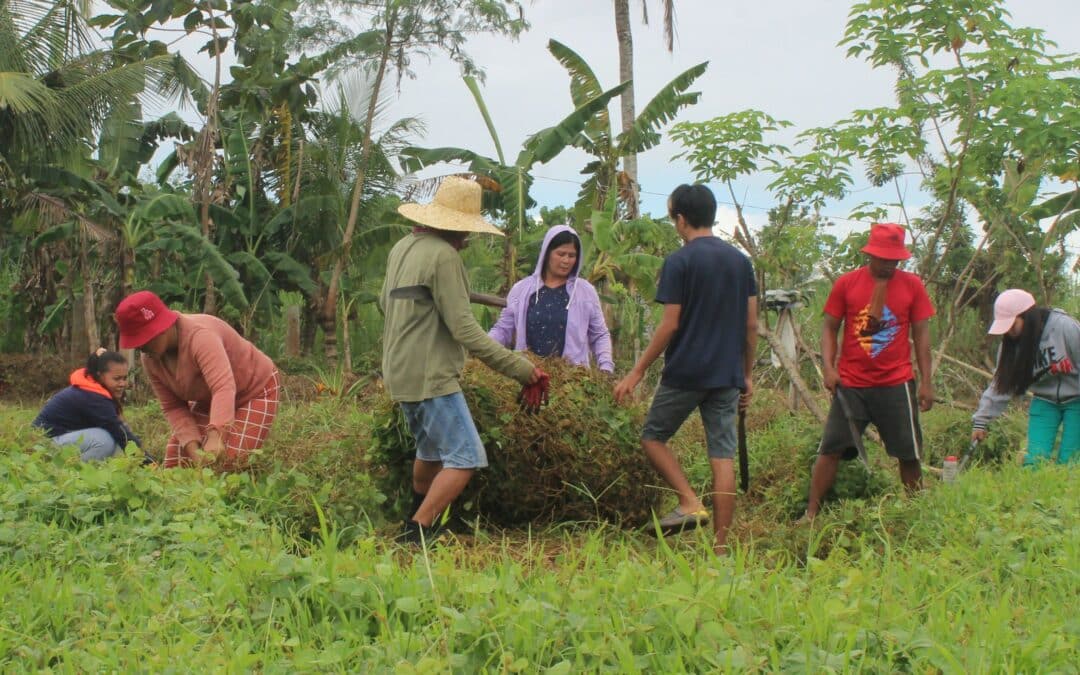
{"x":708,"y":334}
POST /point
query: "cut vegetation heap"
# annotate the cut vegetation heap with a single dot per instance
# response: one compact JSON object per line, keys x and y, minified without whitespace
{"x":578,"y":459}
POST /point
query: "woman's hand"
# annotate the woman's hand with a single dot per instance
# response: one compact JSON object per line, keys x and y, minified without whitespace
{"x":212,"y":449}
{"x":978,"y":435}
{"x":190,"y":453}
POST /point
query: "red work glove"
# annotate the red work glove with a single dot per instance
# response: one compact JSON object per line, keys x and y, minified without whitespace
{"x":534,"y":396}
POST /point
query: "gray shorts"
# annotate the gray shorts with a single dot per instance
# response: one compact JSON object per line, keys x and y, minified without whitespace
{"x":893,"y":410}
{"x":444,"y":432}
{"x":718,"y":407}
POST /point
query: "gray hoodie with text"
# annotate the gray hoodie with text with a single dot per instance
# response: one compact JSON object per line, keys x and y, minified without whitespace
{"x":1057,"y":378}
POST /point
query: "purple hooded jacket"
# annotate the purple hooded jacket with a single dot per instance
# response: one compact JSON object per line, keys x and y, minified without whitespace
{"x":586,"y":331}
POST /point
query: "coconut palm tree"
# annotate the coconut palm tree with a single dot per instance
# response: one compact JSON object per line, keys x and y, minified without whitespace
{"x":626,"y":74}
{"x":58,"y":91}
{"x":315,"y":224}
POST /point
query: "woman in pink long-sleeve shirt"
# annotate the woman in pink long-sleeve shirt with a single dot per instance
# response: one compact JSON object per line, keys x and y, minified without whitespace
{"x":218,"y":391}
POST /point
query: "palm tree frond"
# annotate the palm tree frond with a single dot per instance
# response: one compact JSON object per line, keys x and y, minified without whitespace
{"x":23,"y":94}
{"x":53,"y":211}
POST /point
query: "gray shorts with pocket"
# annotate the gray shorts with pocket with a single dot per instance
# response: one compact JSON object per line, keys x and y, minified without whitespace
{"x":718,"y":407}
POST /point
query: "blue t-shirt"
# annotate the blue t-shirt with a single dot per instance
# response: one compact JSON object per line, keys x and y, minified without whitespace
{"x":712,"y":281}
{"x":545,"y":322}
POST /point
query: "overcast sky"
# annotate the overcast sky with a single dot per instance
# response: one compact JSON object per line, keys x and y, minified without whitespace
{"x":778,"y":56}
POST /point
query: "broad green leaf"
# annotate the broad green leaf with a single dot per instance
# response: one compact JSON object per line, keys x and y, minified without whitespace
{"x":645,"y":133}
{"x":1052,"y":207}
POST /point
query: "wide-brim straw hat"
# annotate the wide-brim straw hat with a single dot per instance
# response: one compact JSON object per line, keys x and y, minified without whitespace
{"x":456,"y":208}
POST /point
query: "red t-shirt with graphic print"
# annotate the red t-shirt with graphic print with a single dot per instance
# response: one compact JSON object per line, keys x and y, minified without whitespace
{"x":882,"y":358}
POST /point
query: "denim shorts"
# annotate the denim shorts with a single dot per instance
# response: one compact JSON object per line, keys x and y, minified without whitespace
{"x":718,"y":407}
{"x":444,"y":432}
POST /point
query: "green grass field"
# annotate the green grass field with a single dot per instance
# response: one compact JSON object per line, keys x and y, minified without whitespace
{"x":115,"y":568}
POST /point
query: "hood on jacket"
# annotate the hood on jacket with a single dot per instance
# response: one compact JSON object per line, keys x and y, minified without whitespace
{"x":82,"y":380}
{"x":551,"y":234}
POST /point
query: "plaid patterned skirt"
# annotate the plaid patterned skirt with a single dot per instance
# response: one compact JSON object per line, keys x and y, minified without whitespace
{"x":248,"y":431}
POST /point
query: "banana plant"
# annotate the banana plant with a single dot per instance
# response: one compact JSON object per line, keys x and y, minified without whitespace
{"x":607,"y":149}
{"x":175,"y":232}
{"x":623,"y":262}
{"x":507,"y":185}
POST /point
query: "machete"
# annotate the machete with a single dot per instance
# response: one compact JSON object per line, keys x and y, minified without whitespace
{"x":966,"y":456}
{"x":855,"y":435}
{"x":744,"y":458}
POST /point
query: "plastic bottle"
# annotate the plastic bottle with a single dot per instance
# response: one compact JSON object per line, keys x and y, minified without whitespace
{"x":949,"y":469}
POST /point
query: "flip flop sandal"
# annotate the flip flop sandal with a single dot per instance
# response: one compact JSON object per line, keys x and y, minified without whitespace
{"x":677,"y":521}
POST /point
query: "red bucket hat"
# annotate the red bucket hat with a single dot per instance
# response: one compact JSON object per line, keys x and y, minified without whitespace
{"x":887,"y":242}
{"x":142,"y":316}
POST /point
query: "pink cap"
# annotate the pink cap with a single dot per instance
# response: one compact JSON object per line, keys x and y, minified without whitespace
{"x":1009,"y":305}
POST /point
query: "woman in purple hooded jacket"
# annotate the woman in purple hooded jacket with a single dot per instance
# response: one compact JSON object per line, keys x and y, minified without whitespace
{"x":553,"y":312}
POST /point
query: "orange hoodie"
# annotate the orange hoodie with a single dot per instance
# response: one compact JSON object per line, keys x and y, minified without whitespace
{"x":81,"y":379}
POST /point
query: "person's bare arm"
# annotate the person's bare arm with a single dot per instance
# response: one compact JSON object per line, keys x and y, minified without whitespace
{"x":669,"y":323}
{"x":920,"y":335}
{"x":750,"y":351}
{"x":829,"y":348}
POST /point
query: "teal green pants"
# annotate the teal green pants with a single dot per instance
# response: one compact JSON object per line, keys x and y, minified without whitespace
{"x":1044,"y":418}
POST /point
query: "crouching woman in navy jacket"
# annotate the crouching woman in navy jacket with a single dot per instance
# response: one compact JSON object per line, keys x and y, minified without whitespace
{"x":88,"y":414}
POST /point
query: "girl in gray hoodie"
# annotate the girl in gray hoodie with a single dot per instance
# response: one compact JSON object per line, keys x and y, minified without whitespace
{"x":1040,"y":349}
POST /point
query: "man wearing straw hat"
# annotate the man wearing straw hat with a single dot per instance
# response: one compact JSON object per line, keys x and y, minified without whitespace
{"x":872,"y":381}
{"x":429,"y":326}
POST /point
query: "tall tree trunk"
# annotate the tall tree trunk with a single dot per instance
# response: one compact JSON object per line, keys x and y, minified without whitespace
{"x":204,"y":169}
{"x":309,"y":326}
{"x":77,"y":336}
{"x":346,"y":340}
{"x":93,"y":338}
{"x":328,"y":315}
{"x":626,"y":72}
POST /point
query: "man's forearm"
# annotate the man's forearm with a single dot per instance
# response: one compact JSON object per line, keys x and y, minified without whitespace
{"x":920,"y":335}
{"x":828,"y":351}
{"x":750,"y":355}
{"x":923,"y":360}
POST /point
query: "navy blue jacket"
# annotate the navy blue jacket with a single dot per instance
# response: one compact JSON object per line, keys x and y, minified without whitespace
{"x":74,"y":409}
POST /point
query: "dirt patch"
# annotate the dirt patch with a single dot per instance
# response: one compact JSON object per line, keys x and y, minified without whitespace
{"x":31,"y":378}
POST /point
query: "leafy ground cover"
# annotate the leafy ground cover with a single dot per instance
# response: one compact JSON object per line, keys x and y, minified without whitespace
{"x":111,"y":567}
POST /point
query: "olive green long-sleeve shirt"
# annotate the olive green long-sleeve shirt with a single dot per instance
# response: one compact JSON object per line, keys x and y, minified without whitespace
{"x":429,"y":325}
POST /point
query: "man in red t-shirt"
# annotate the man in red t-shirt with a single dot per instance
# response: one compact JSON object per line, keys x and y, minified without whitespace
{"x":878,"y":306}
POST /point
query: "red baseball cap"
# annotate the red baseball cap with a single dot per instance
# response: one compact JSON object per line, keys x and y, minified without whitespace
{"x":887,"y":242}
{"x":142,"y":316}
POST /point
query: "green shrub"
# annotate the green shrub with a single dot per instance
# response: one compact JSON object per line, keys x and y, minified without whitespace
{"x":315,"y":459}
